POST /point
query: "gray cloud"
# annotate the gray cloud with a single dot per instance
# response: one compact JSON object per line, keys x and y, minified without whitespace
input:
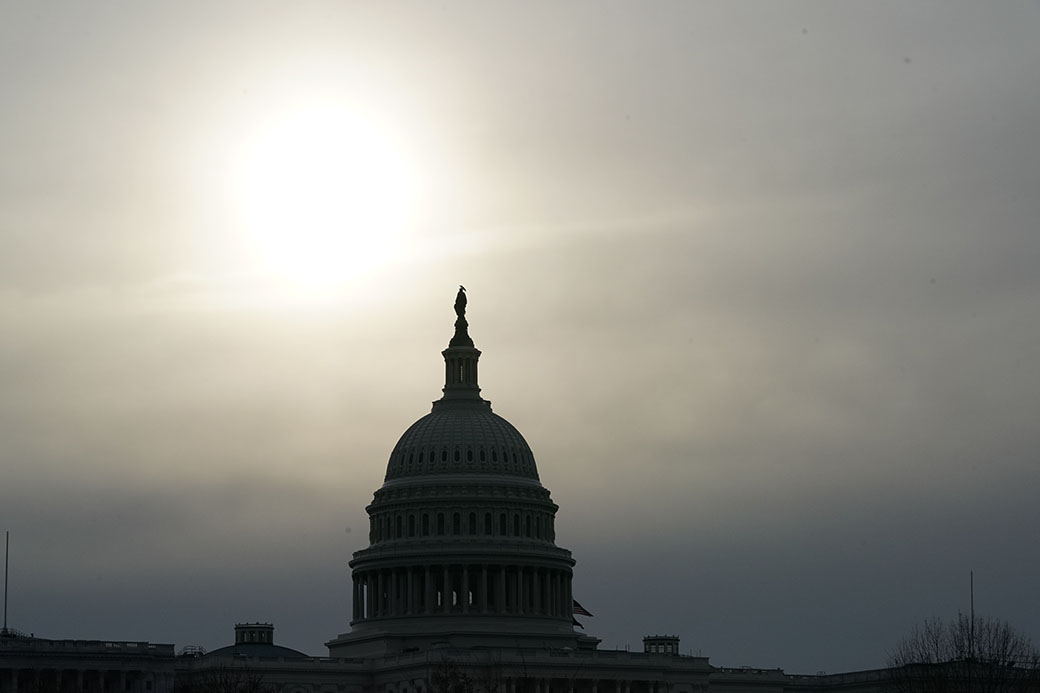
{"x":757,"y":284}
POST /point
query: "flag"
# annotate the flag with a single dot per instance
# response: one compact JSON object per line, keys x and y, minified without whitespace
{"x":577,"y":623}
{"x":579,"y":609}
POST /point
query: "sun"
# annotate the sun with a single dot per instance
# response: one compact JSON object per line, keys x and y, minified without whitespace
{"x":325,"y":195}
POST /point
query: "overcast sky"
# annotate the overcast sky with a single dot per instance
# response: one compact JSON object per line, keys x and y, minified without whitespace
{"x":757,"y":281}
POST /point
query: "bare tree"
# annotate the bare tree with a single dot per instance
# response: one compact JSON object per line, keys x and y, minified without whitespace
{"x":448,"y":677}
{"x":967,"y":655}
{"x":225,"y":679}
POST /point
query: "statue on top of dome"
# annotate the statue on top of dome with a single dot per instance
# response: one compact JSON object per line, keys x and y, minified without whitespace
{"x":461,"y":338}
{"x":460,"y":302}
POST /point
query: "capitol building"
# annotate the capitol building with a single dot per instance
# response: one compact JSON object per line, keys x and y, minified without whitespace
{"x":461,"y":589}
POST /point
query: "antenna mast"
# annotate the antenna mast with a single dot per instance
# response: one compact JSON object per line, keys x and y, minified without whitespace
{"x":7,"y":553}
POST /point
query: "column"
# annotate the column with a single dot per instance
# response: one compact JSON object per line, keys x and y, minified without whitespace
{"x":483,"y":589}
{"x":517,"y":589}
{"x":380,"y":591}
{"x":410,"y":602}
{"x":428,"y":587}
{"x":536,"y":591}
{"x":445,"y":589}
{"x":465,"y":589}
{"x":547,"y":595}
{"x":501,"y":590}
{"x":395,"y":584}
{"x":568,"y":597}
{"x":370,"y":595}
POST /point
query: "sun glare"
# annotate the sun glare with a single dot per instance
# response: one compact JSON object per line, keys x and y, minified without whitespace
{"x":325,"y":196}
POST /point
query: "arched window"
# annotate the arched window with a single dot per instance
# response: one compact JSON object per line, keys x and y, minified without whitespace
{"x":538,"y":527}
{"x":426,"y":525}
{"x":456,"y":454}
{"x":516,"y":525}
{"x":472,"y":523}
{"x":440,"y":523}
{"x":456,"y":524}
{"x":411,"y":525}
{"x":400,"y":524}
{"x":487,"y":523}
{"x":527,"y":526}
{"x":502,"y":524}
{"x":469,"y":455}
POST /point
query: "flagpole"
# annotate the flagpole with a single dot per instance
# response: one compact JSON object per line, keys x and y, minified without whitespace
{"x":971,"y":589}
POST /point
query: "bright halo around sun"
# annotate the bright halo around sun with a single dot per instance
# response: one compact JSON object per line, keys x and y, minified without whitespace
{"x":326,"y":196}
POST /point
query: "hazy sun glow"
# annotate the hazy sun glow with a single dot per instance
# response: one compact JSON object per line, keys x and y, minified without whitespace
{"x":325,"y":195}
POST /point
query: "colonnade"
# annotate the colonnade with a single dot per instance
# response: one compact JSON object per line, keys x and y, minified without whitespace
{"x":462,"y":589}
{"x":538,"y":684}
{"x":89,"y":680}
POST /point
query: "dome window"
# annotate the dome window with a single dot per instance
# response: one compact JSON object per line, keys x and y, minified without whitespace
{"x":527,"y":527}
{"x":516,"y":525}
{"x":425,"y":525}
{"x":457,"y":454}
{"x":482,"y":456}
{"x":440,"y":524}
{"x":472,"y":523}
{"x":400,"y":526}
{"x":487,"y":523}
{"x":444,"y":455}
{"x":456,"y":524}
{"x":411,"y":525}
{"x":502,"y":524}
{"x":494,"y":455}
{"x":469,"y":455}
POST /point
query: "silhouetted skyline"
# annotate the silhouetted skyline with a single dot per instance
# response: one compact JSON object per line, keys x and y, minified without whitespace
{"x":756,"y":282}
